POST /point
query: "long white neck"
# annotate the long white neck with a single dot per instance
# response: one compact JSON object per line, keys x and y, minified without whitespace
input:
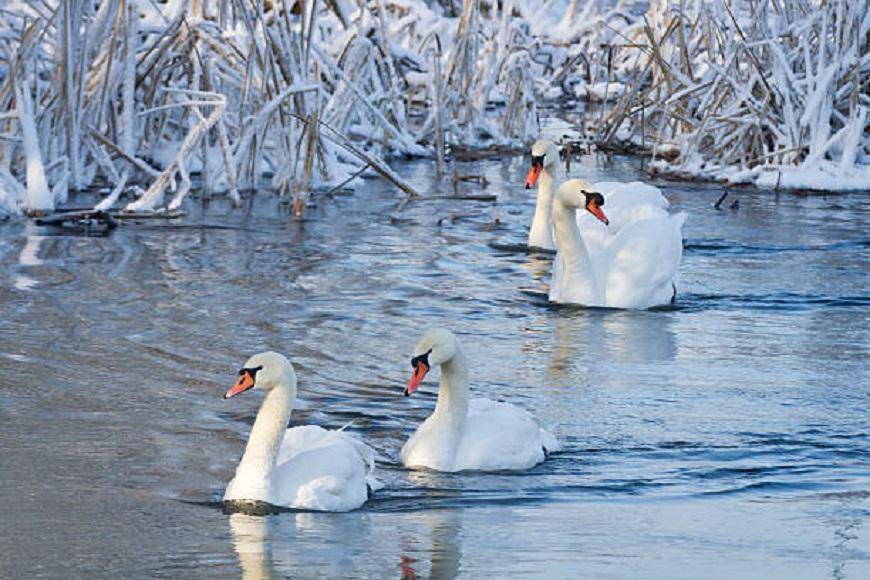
{"x":541,"y":232}
{"x":578,"y":271}
{"x":252,"y":474}
{"x":452,"y":406}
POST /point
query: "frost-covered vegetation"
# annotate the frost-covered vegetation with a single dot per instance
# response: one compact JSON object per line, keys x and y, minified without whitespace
{"x":298,"y":95}
{"x":775,"y":92}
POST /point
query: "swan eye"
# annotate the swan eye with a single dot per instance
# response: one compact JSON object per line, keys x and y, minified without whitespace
{"x":252,"y":371}
{"x":593,"y":197}
{"x":422,"y":358}
{"x":538,"y":160}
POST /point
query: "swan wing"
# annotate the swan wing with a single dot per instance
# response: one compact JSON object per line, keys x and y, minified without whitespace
{"x":633,"y":201}
{"x":642,"y":262}
{"x":321,"y":470}
{"x":625,"y":204}
{"x":501,"y":436}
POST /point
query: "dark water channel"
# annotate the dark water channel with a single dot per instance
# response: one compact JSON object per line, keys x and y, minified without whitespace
{"x":727,"y":437}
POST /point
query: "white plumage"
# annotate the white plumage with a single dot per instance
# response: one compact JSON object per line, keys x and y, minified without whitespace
{"x":631,"y":263}
{"x":476,"y":434}
{"x":305,"y":467}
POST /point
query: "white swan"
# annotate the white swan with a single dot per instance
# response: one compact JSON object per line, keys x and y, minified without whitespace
{"x":304,"y":467}
{"x":631,"y":264}
{"x":546,"y":172}
{"x":460,"y":434}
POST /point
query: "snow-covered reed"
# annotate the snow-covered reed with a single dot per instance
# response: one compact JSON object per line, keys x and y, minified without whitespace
{"x":302,"y":94}
{"x":149,"y":97}
{"x":771,"y":92}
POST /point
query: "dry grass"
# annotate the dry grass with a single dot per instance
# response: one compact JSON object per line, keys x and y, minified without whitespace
{"x":736,"y":85}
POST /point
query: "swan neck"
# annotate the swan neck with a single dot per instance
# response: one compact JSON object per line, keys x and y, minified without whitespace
{"x":267,"y":433}
{"x":568,"y":238}
{"x":576,"y":261}
{"x":551,"y":174}
{"x":541,"y":232}
{"x":452,"y":405}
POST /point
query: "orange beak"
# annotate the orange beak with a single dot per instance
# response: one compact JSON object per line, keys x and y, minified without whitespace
{"x":593,"y":208}
{"x":245,"y":382}
{"x":534,"y":173}
{"x":416,"y":377}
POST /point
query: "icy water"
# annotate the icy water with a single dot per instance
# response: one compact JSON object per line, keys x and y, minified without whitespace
{"x":726,"y":437}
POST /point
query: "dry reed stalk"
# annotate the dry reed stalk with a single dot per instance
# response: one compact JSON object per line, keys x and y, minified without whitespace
{"x":153,"y":196}
{"x":734,"y":82}
{"x":437,"y":92}
{"x":777,"y":91}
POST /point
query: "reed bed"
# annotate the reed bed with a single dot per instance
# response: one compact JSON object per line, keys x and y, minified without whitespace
{"x":149,"y":100}
{"x":766,"y":91}
{"x":146,"y":98}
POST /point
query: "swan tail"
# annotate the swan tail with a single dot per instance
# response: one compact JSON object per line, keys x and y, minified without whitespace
{"x":549,"y":442}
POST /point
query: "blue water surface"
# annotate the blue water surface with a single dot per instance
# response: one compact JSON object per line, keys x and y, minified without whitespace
{"x":723,"y":437}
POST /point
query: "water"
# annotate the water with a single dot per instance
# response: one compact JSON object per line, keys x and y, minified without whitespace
{"x":724,"y":437}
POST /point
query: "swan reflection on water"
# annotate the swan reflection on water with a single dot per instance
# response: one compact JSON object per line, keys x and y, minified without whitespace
{"x":29,"y":256}
{"x":444,"y":531}
{"x":279,"y":545}
{"x":610,"y":335}
{"x":538,"y":265}
{"x":288,"y":544}
{"x":416,"y":544}
{"x":250,"y":540}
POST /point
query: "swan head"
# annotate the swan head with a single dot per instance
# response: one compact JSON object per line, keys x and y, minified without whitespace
{"x":437,"y":346}
{"x":544,"y":154}
{"x":264,"y":371}
{"x":577,"y":194}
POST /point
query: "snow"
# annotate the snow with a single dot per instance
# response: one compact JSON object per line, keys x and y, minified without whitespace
{"x":601,"y":91}
{"x":824,"y":177}
{"x":151,"y":92}
{"x":38,"y":194}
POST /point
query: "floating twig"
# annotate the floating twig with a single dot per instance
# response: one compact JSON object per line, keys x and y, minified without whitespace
{"x":457,"y":178}
{"x":80,"y":218}
{"x":454,"y":216}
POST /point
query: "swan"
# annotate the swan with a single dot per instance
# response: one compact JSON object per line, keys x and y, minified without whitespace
{"x":633,"y":265}
{"x":546,"y":171}
{"x":305,"y":467}
{"x":627,"y":202}
{"x":463,"y":434}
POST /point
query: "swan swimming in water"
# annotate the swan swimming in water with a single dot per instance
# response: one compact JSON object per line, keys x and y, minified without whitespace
{"x":463,"y":434}
{"x":305,"y":467}
{"x":631,"y":261}
{"x":546,"y":173}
